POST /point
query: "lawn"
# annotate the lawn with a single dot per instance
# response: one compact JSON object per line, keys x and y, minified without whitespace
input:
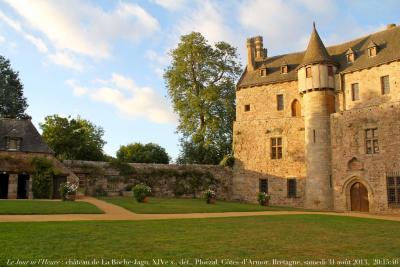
{"x":186,"y":205}
{"x":290,"y":237}
{"x":13,"y":207}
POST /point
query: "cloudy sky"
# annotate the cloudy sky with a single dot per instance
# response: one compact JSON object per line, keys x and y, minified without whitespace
{"x":104,"y":59}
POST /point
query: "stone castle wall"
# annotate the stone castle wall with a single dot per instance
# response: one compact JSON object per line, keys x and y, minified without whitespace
{"x":101,"y":177}
{"x":351,"y":163}
{"x":252,"y":133}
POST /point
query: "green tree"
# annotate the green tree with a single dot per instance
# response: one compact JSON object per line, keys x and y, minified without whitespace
{"x":73,"y":138}
{"x":12,"y":101}
{"x":139,"y":153}
{"x":201,"y":83}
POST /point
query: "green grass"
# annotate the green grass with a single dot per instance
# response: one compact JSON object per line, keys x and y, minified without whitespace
{"x":184,"y":205}
{"x":290,"y":237}
{"x":13,"y":207}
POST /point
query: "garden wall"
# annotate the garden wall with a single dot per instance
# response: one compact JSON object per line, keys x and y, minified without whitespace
{"x":115,"y":178}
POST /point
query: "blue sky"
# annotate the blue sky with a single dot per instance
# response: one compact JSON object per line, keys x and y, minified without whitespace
{"x":103,"y":59}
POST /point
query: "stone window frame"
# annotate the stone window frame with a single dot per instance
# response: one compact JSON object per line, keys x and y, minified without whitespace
{"x":284,"y":69}
{"x":263,"y":185}
{"x":352,"y":91}
{"x":13,"y":143}
{"x":308,"y":72}
{"x":372,"y":51}
{"x":385,"y":85}
{"x":393,"y":190}
{"x":247,"y":108}
{"x":263,"y":72}
{"x":350,"y":58}
{"x":276,"y":147}
{"x":280,"y":102}
{"x":371,"y":142}
{"x":292,"y":188}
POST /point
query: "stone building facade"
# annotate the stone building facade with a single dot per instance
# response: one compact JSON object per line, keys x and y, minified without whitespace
{"x":320,"y":129}
{"x":20,"y":143}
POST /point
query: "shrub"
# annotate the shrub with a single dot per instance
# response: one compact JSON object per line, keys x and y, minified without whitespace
{"x":42,"y":178}
{"x":227,"y":161}
{"x":67,"y":190}
{"x":210,"y":196}
{"x":141,"y":191}
{"x":262,"y":198}
{"x":100,"y":192}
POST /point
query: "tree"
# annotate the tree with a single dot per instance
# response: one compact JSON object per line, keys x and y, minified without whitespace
{"x":12,"y":101}
{"x":73,"y":138}
{"x":139,"y":153}
{"x":201,"y":83}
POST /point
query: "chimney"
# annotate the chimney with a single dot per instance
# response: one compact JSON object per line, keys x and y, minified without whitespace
{"x":258,"y":41}
{"x":250,"y":54}
{"x":390,"y":26}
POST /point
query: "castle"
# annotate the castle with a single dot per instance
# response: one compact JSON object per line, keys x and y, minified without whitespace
{"x":320,"y":129}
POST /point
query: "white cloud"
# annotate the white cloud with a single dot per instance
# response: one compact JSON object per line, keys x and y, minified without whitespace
{"x":208,"y":19}
{"x":10,"y":22}
{"x":83,"y":28}
{"x":77,"y":90}
{"x":130,"y":99}
{"x":2,"y":39}
{"x":39,"y":43}
{"x":65,"y":59}
{"x":171,"y":5}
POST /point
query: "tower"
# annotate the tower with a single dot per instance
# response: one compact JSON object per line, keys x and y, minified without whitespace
{"x":317,"y":87}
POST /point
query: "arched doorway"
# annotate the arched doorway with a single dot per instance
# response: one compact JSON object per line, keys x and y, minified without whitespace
{"x":296,"y":108}
{"x":359,"y":197}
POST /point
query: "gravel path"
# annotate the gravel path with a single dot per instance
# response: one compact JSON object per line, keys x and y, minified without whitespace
{"x":116,"y":213}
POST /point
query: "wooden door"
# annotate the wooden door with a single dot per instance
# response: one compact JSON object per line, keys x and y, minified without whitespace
{"x":4,"y":185}
{"x":359,"y":198}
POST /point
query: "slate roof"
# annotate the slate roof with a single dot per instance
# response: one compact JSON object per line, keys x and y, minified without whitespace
{"x":388,"y":47}
{"x":31,"y":139}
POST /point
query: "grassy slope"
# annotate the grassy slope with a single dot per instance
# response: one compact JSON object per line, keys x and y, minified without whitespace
{"x":177,"y":205}
{"x":46,"y":207}
{"x":297,"y":237}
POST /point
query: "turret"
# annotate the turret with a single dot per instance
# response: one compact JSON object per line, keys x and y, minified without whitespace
{"x":317,"y":86}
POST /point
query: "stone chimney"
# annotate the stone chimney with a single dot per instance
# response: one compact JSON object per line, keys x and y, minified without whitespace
{"x":255,"y":51}
{"x":250,"y":54}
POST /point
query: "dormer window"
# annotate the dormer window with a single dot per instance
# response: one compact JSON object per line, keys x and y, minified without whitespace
{"x":350,"y":56}
{"x":263,"y":72}
{"x":284,"y":69}
{"x":372,"y":49}
{"x":13,"y":143}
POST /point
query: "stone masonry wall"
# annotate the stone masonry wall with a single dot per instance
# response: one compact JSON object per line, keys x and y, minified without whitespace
{"x":351,"y":163}
{"x":101,"y":176}
{"x":252,"y":133}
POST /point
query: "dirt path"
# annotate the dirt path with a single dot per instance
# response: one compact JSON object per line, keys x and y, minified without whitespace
{"x":116,"y":213}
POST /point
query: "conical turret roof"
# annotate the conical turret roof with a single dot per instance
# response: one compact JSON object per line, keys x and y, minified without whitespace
{"x":316,"y":51}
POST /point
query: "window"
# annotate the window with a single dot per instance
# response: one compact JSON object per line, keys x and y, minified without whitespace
{"x":276,"y":148}
{"x":330,"y":71}
{"x":355,"y":94}
{"x":279,"y":102}
{"x":393,"y":190}
{"x":263,"y":72}
{"x":263,"y":185}
{"x":350,"y":58}
{"x":371,"y":141}
{"x":296,"y":108}
{"x":284,"y":69}
{"x":13,"y":143}
{"x":372,"y":51}
{"x":246,"y":108}
{"x":308,"y":72}
{"x":291,"y":188}
{"x":385,"y":86}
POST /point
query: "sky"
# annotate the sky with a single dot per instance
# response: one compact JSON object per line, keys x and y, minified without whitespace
{"x":104,"y":60}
